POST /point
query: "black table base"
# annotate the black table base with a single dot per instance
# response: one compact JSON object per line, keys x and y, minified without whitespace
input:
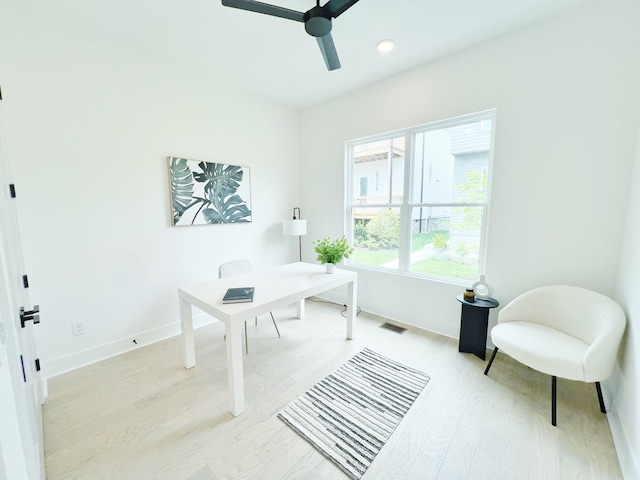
{"x":474,"y":321}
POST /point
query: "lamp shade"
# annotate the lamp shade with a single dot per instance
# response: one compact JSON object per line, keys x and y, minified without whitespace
{"x":294,"y":227}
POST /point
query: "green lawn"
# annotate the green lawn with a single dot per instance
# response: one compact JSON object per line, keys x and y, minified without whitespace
{"x":420,"y":240}
{"x":374,"y":257}
{"x":378,"y":257}
{"x":441,"y":268}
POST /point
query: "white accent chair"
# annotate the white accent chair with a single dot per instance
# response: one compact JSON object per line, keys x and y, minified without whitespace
{"x":238,"y":267}
{"x":563,"y":331}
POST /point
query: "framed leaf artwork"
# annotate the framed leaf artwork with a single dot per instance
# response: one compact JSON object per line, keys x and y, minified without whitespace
{"x":209,"y":193}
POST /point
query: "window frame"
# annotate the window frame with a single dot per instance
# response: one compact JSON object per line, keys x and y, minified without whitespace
{"x":407,"y":205}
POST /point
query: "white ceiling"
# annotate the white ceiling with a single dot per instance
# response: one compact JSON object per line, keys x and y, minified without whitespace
{"x":275,"y":58}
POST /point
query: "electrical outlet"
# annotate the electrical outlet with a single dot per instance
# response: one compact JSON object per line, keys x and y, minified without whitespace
{"x":77,"y":328}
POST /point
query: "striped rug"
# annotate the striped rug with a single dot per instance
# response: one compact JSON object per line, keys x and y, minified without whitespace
{"x":350,"y":414}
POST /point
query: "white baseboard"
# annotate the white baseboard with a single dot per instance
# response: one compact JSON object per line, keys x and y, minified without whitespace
{"x":60,"y":365}
{"x":629,"y":462}
{"x":383,"y":311}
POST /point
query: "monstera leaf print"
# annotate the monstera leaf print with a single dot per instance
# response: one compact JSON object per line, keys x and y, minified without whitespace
{"x":207,"y":192}
{"x":222,"y":182}
{"x":227,"y":210}
{"x":225,"y":179}
{"x":181,"y":187}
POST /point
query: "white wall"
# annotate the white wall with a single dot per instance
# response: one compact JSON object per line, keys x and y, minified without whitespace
{"x":88,"y":129}
{"x":568,"y":108}
{"x":625,"y":417}
{"x":89,"y":125}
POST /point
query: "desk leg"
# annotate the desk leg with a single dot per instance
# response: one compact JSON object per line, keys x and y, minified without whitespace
{"x":234,"y":367}
{"x":300,"y":305}
{"x":186,"y":323}
{"x":352,"y":306}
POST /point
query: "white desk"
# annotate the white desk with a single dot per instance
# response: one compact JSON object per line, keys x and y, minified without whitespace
{"x":274,"y":288}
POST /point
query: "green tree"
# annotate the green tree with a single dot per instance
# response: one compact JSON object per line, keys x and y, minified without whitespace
{"x":440,"y":241}
{"x":384,"y":230}
{"x":360,"y":234}
{"x":474,"y":190}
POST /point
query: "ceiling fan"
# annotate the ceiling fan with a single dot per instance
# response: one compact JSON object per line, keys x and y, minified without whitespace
{"x":317,"y":21}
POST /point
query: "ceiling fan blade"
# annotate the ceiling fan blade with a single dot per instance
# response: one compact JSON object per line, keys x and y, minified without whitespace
{"x":329,"y":52}
{"x":265,"y":8}
{"x":338,"y":7}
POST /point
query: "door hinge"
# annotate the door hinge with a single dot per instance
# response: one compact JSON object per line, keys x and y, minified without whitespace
{"x":12,"y":190}
{"x":26,"y":316}
{"x":37,"y":364}
{"x":25,"y":281}
{"x":0,"y":93}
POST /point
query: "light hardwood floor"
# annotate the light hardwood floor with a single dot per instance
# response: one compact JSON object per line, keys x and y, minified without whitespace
{"x":142,"y":416}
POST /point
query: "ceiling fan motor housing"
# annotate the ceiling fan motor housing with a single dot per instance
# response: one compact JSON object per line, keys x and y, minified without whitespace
{"x":317,"y":22}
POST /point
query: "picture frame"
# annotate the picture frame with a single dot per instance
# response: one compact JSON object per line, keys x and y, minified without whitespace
{"x":208,"y":193}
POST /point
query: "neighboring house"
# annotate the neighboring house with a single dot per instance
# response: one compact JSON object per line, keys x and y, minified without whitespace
{"x":469,"y":148}
{"x":446,"y":161}
{"x":379,"y":182}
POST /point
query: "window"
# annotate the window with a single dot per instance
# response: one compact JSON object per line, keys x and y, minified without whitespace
{"x":417,"y":199}
{"x":363,"y":185}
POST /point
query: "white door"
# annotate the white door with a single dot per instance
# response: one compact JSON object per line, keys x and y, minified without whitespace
{"x":21,"y":388}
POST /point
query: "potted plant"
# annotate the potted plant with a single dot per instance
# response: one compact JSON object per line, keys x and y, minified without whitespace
{"x":332,"y":252}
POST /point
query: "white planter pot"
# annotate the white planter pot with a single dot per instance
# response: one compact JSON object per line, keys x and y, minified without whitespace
{"x":331,"y":268}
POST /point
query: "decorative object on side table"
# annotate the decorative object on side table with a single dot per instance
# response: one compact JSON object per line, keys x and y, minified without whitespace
{"x":482,"y":289}
{"x":468,"y":295}
{"x":332,"y":252}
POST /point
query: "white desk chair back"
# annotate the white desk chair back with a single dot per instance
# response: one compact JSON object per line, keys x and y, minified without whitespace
{"x":563,"y":331}
{"x":235,"y":267}
{"x":238,"y":267}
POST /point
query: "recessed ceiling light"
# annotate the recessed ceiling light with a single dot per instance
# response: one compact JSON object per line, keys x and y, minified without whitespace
{"x":386,"y":45}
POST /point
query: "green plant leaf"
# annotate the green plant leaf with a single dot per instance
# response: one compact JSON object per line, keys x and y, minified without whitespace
{"x":181,"y":187}
{"x":220,"y":204}
{"x":225,"y":208}
{"x":224,"y":180}
{"x":332,"y":251}
{"x":233,"y":214}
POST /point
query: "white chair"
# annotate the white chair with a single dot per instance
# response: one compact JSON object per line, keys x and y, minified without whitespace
{"x":238,"y":267}
{"x":563,"y":331}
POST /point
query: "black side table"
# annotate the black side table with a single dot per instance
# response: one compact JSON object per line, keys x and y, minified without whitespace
{"x":473,"y":325}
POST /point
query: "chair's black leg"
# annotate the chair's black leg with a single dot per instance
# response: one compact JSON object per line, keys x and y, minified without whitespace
{"x":554,"y":381}
{"x":493,"y":355}
{"x":600,"y":399}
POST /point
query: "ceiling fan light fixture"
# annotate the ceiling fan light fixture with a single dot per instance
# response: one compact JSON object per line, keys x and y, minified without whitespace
{"x":386,"y":45}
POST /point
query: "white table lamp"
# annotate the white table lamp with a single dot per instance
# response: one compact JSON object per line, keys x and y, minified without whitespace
{"x":294,"y":227}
